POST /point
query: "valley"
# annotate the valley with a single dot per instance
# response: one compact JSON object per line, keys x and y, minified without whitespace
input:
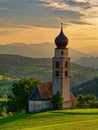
{"x":15,"y":67}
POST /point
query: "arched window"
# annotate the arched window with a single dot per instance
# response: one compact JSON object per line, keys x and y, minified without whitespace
{"x":66,"y":73}
{"x":66,"y":64}
{"x":57,"y":73}
{"x":57,"y":64}
{"x":62,"y":53}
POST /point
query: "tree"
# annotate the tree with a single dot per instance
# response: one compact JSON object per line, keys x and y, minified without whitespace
{"x":81,"y":102}
{"x":57,"y":100}
{"x":21,"y":91}
{"x":87,"y":101}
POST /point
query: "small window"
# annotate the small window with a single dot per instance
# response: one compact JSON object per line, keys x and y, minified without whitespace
{"x":66,"y":73}
{"x":57,"y":73}
{"x":66,"y":64}
{"x":57,"y":64}
{"x":62,"y":53}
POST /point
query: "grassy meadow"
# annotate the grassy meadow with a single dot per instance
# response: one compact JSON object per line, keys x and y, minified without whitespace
{"x":77,"y":119}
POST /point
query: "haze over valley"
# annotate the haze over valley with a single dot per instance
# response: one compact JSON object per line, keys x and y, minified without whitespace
{"x":42,"y":50}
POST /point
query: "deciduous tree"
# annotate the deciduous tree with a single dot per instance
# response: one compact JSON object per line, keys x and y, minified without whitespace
{"x":21,"y":91}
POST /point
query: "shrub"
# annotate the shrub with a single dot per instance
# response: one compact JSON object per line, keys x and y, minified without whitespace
{"x":87,"y":101}
{"x":57,"y":100}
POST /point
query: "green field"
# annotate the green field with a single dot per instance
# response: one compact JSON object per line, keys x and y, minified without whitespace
{"x":79,"y":119}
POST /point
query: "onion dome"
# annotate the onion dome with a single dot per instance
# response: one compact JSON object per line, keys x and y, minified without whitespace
{"x":61,"y":40}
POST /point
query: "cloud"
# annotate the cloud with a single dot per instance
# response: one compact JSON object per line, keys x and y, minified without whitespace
{"x":3,"y":33}
{"x":84,"y":5}
{"x":22,"y":13}
{"x":8,"y":31}
{"x":87,"y":8}
{"x":72,"y":5}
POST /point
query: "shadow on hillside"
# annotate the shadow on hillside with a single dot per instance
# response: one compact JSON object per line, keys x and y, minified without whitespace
{"x":73,"y":113}
{"x":15,"y":118}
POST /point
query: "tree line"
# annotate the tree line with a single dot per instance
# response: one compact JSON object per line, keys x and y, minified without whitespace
{"x":18,"y":102}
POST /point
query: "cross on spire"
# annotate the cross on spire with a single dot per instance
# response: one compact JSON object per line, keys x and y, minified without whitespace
{"x":61,"y":18}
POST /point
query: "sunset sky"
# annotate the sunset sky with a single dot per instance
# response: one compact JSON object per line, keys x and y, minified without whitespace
{"x":38,"y":21}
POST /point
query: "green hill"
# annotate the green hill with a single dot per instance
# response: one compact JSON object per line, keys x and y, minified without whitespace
{"x":6,"y":85}
{"x":15,"y":66}
{"x":18,"y":67}
{"x":90,"y":87}
{"x":88,"y":61}
{"x":84,"y":119}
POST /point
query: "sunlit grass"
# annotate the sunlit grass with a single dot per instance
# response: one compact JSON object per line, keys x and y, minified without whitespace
{"x":4,"y":99}
{"x":2,"y":77}
{"x":77,"y":119}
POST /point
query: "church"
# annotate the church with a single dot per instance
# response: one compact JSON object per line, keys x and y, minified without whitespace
{"x":40,"y":98}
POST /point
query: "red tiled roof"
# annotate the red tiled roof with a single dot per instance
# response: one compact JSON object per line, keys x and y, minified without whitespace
{"x":45,"y":90}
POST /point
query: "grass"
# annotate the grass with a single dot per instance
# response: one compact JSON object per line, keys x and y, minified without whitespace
{"x":3,"y":99}
{"x":79,"y":119}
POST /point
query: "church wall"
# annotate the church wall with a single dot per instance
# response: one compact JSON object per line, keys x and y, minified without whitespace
{"x":47,"y":104}
{"x":31,"y":106}
{"x":56,"y":84}
{"x":39,"y":105}
{"x":61,"y":53}
{"x":66,"y":89}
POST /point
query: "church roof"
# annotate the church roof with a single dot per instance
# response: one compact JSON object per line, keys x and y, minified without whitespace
{"x":35,"y":95}
{"x":45,"y":90}
{"x":42,"y":92}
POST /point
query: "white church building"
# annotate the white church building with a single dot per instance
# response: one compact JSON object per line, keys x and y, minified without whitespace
{"x":40,"y":98}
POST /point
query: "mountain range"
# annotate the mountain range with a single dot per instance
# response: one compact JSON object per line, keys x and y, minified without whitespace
{"x":42,"y":50}
{"x":88,"y":62}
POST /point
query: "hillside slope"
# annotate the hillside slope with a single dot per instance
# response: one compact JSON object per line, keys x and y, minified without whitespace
{"x":18,"y":67}
{"x":6,"y":85}
{"x":88,"y":61}
{"x":90,"y":87}
{"x":76,"y":119}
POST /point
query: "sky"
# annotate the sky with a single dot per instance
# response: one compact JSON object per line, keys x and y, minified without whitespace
{"x":38,"y":21}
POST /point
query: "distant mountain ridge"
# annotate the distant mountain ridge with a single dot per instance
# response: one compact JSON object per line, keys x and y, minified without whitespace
{"x":88,"y":62}
{"x":42,"y":50}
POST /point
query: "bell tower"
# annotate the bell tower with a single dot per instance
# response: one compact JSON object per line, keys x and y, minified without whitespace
{"x":61,"y":69}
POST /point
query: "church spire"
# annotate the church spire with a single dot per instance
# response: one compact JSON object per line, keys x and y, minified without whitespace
{"x":61,"y":40}
{"x":61,"y":68}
